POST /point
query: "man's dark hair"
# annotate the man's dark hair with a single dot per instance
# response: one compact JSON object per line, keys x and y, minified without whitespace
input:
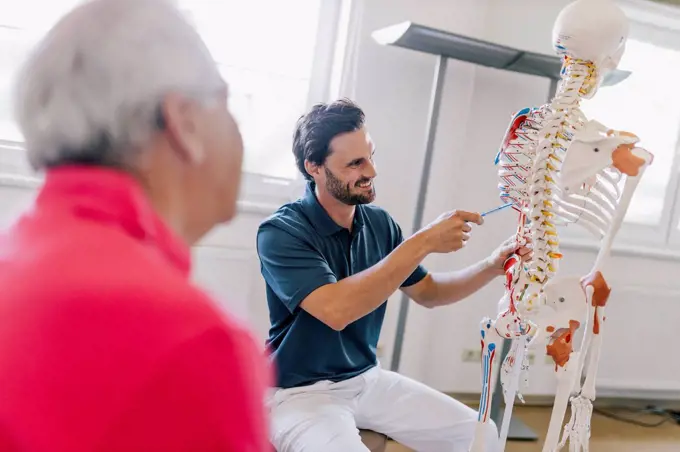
{"x":315,"y":130}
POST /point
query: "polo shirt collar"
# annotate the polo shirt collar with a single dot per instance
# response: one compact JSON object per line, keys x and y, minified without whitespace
{"x":110,"y":196}
{"x":320,"y":218}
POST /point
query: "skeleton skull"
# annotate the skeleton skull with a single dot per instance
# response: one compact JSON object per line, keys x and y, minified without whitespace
{"x":592,"y":30}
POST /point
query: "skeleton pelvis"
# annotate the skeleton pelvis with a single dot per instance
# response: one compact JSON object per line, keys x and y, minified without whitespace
{"x":566,"y":295}
{"x":562,"y":299}
{"x":564,"y":308}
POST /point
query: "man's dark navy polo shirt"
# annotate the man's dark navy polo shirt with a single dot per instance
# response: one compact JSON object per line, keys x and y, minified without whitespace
{"x":301,"y":249}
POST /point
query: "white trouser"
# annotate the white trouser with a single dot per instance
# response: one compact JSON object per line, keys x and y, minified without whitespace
{"x":326,"y":416}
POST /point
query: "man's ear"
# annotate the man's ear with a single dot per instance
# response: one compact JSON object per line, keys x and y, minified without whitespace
{"x":312,"y":168}
{"x":181,"y":122}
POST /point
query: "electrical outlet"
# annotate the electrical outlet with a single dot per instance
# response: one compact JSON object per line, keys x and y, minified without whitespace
{"x":475,"y":356}
{"x":472,"y":355}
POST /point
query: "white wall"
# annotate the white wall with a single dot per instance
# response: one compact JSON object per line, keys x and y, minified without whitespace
{"x":393,"y":86}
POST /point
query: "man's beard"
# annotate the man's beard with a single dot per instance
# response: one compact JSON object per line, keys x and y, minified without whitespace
{"x":343,"y":193}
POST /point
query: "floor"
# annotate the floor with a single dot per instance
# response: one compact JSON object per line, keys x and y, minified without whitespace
{"x":608,"y":435}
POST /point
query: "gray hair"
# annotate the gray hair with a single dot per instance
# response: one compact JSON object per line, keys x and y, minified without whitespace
{"x":91,"y":89}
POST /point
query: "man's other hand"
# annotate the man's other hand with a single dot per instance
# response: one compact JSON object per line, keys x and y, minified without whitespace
{"x":507,"y":249}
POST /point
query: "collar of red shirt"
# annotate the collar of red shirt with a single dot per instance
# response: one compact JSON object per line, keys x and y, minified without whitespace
{"x":112,"y":196}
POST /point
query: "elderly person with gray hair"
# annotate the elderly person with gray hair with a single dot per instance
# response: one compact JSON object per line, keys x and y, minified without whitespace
{"x":105,"y":344}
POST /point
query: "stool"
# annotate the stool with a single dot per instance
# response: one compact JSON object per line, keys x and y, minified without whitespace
{"x":376,"y":442}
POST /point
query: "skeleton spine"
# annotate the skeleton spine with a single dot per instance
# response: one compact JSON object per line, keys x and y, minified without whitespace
{"x":563,"y":119}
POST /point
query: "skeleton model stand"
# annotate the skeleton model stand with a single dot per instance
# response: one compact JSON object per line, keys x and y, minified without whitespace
{"x":557,"y":167}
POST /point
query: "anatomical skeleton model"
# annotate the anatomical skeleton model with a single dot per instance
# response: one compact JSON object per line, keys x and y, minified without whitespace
{"x":557,"y":168}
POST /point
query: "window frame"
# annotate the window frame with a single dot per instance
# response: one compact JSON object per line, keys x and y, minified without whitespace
{"x":259,"y":193}
{"x":663,"y":238}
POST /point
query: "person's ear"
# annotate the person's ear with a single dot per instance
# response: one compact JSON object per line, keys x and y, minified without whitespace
{"x":181,"y":122}
{"x":312,"y":168}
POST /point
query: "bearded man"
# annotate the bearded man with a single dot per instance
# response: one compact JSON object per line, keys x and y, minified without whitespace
{"x":330,"y":261}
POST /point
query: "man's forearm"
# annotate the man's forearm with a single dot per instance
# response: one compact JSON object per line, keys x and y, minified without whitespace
{"x":454,"y":286}
{"x":351,"y":298}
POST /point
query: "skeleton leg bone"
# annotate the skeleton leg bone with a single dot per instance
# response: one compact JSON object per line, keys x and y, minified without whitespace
{"x":490,"y":341}
{"x":562,"y":313}
{"x":511,"y":385}
{"x":566,"y":364}
{"x":578,"y":429}
{"x":587,"y":338}
{"x":591,"y":372}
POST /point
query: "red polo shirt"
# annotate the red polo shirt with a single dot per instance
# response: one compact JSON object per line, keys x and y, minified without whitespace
{"x":105,"y":345}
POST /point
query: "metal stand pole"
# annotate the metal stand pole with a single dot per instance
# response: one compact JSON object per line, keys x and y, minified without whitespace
{"x":431,"y":133}
{"x":552,"y":89}
{"x":518,"y":430}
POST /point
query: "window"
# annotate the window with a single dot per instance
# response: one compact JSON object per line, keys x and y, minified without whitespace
{"x":645,"y":104}
{"x":266,"y":50}
{"x":277,"y":57}
{"x":642,"y":104}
